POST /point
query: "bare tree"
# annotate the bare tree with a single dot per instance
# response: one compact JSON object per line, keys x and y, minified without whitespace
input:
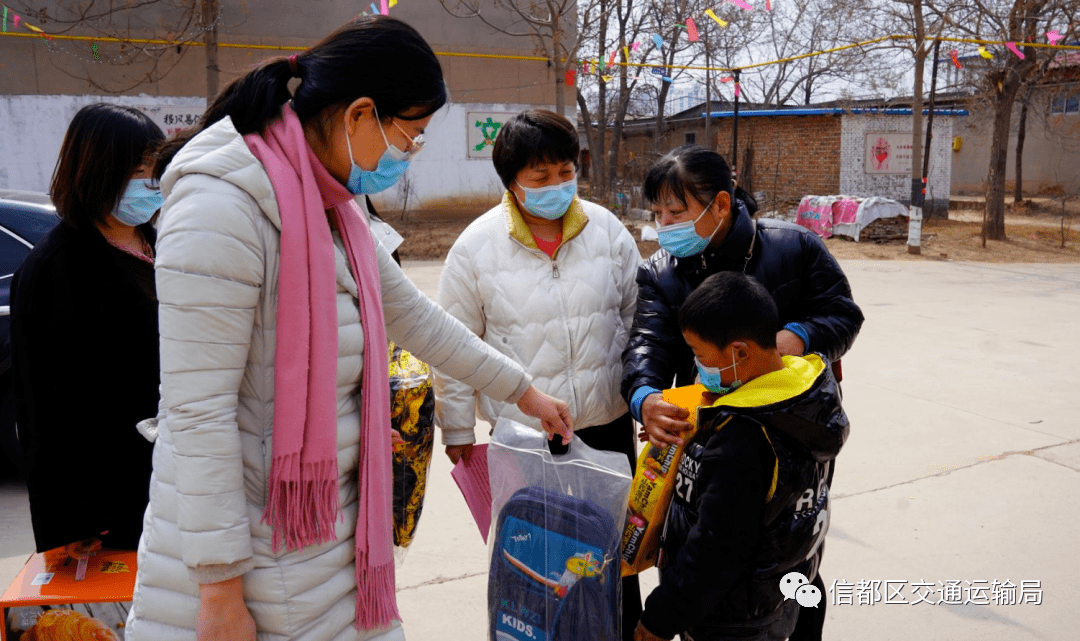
{"x":1016,"y":21}
{"x":175,"y":21}
{"x":552,"y":24}
{"x":798,"y":27}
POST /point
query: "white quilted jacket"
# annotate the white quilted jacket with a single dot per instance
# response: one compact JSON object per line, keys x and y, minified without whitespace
{"x":565,"y":319}
{"x":217,"y":274}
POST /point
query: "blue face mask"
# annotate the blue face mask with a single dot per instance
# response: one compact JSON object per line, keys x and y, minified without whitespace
{"x":139,"y":202}
{"x":682,"y":240}
{"x":710,"y":377}
{"x":550,"y":202}
{"x":392,"y":164}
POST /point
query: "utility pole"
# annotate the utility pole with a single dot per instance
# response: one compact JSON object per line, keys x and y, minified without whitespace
{"x":914,"y":241}
{"x":708,"y":94}
{"x":210,"y":37}
{"x":735,"y":138}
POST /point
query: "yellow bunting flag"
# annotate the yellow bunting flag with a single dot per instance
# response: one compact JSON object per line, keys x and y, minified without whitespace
{"x":712,"y":14}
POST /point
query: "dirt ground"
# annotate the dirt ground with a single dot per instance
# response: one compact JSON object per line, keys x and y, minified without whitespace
{"x":1034,"y":236}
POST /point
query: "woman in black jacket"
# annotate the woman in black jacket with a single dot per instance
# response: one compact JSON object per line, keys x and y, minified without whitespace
{"x":705,"y":227}
{"x":85,"y":339}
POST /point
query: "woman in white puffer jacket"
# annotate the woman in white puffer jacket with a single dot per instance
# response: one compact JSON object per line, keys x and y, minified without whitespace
{"x":230,"y":549}
{"x":549,"y":280}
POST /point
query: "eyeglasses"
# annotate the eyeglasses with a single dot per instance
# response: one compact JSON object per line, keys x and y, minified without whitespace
{"x":416,"y":145}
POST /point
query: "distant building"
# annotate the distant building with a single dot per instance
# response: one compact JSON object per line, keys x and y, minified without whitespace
{"x":43,"y":83}
{"x":785,"y":154}
{"x":1051,"y":141}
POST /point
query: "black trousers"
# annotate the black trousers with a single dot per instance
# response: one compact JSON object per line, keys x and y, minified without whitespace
{"x":616,"y":436}
{"x":811,"y":620}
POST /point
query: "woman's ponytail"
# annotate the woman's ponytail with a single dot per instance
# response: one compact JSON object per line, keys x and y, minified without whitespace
{"x":251,"y":101}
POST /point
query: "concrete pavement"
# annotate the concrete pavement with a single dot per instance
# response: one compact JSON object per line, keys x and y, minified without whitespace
{"x":963,"y":465}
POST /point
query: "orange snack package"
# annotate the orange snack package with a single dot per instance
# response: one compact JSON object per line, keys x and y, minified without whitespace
{"x":653,"y":485}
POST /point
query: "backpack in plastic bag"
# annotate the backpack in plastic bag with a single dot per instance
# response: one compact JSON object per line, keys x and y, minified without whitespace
{"x":555,"y":564}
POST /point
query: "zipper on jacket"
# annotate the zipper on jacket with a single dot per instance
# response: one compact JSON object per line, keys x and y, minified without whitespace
{"x":554,"y":268}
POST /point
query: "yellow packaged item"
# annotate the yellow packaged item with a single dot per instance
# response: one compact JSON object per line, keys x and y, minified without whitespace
{"x":654,"y":483}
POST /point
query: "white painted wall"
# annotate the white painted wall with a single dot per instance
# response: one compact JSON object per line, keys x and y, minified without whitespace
{"x":441,"y":180}
{"x":32,"y":130}
{"x":855,"y":181}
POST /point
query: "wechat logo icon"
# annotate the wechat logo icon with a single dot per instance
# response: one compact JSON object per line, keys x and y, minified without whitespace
{"x":795,"y":586}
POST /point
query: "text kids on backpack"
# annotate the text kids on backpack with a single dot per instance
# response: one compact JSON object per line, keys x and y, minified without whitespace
{"x":753,"y":498}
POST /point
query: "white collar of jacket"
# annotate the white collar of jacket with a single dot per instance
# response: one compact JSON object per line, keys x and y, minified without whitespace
{"x":573,"y":221}
{"x":220,"y":151}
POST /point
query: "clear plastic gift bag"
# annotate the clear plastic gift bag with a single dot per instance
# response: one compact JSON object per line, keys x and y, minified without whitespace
{"x":554,"y":540}
{"x":412,"y":414}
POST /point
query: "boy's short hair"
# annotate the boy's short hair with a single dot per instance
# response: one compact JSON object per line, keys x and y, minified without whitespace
{"x":731,"y":306}
{"x":531,"y":137}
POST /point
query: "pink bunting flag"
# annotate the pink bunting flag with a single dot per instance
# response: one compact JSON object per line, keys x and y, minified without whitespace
{"x":737,"y":92}
{"x":636,"y":46}
{"x":1013,"y":48}
{"x":472,"y":479}
{"x":1053,"y":37}
{"x":768,"y":6}
{"x":384,"y":7}
{"x":611,"y":60}
{"x":691,"y":30}
{"x":17,"y":21}
{"x":956,"y":61}
{"x":741,"y":4}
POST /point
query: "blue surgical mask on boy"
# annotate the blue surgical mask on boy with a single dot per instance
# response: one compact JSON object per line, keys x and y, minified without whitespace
{"x":682,"y":240}
{"x":392,"y":164}
{"x":139,"y":202}
{"x":550,"y":202}
{"x":710,"y":377}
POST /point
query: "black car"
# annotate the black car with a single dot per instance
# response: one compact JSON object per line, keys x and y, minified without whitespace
{"x":25,"y":218}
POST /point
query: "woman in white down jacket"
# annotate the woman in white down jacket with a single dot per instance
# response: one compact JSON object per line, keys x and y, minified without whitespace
{"x":273,"y":351}
{"x":549,"y":280}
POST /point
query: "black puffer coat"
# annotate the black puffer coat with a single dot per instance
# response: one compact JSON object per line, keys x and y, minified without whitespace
{"x":84,"y":335}
{"x":791,"y":262}
{"x":729,"y":539}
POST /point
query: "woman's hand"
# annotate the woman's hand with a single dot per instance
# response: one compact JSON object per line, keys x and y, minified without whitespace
{"x":554,"y":414}
{"x":788,"y":343}
{"x":456,"y":452}
{"x":223,"y":615}
{"x":641,"y":633}
{"x":662,"y":422}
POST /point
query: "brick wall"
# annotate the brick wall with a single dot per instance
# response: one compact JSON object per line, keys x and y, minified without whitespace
{"x":793,"y":156}
{"x":790,"y":156}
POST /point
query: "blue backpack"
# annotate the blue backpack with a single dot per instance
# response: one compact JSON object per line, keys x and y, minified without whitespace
{"x":555,"y":573}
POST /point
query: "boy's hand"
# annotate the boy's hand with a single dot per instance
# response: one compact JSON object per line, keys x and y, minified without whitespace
{"x":662,"y":421}
{"x":642,"y":634}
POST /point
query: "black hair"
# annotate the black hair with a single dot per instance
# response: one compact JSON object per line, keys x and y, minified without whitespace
{"x":103,"y":146}
{"x":693,"y":170}
{"x":378,"y":57}
{"x":532,"y":137}
{"x":731,"y":306}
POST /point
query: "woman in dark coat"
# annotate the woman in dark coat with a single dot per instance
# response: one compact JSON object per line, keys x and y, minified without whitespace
{"x":85,"y":339}
{"x":705,"y":227}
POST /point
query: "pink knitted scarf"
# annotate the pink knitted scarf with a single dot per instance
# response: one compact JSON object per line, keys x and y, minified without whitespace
{"x":302,"y":506}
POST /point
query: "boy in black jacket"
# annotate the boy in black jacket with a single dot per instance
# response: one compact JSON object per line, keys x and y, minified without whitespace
{"x":752,"y":497}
